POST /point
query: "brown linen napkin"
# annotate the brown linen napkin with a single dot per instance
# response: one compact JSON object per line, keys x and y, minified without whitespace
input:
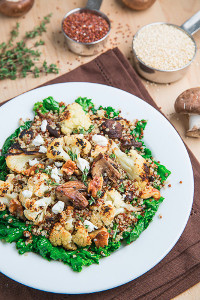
{"x":180,"y":269}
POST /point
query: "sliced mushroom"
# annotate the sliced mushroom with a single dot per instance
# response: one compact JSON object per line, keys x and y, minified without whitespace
{"x":105,"y":165}
{"x":52,"y":131}
{"x":128,"y":141}
{"x":72,"y":193}
{"x":112,"y":128}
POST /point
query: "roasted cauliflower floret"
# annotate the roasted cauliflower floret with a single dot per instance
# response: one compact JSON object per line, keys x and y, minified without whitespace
{"x":6,"y":192}
{"x":99,"y":149}
{"x":18,"y":162}
{"x":116,"y":199}
{"x":56,"y":150}
{"x":61,"y":237}
{"x":67,"y":220}
{"x":74,"y":117}
{"x":150,"y":191}
{"x":81,"y":237}
{"x":37,"y":209}
{"x":103,"y":214}
{"x":133,"y":163}
{"x":77,"y":144}
{"x":37,"y":184}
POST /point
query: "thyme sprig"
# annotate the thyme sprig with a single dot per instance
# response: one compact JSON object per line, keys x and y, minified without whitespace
{"x":19,"y":60}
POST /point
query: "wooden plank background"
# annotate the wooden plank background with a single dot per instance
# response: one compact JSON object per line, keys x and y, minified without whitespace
{"x":125,"y":23}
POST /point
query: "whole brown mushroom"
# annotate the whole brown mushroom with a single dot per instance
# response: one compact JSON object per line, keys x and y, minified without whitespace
{"x":189,"y":103}
{"x":15,"y":8}
{"x":139,"y":4}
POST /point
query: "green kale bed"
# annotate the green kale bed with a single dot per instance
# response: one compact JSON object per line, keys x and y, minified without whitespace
{"x":12,"y":229}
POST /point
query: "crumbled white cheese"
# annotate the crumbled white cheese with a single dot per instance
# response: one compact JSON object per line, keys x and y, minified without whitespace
{"x":55,"y":174}
{"x":90,"y":226}
{"x":58,"y":164}
{"x":33,"y":162}
{"x":27,"y":193}
{"x":58,"y":207}
{"x":82,"y":164}
{"x":43,"y":202}
{"x":44,"y":125}
{"x":38,"y":140}
{"x":81,"y":135}
{"x":100,"y":140}
{"x":43,"y":149}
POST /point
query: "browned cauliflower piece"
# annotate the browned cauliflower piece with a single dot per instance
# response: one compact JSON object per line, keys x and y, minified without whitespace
{"x":56,"y":150}
{"x":74,"y":117}
{"x":61,"y":237}
{"x":81,"y":237}
{"x":67,"y":220}
{"x":102,"y":214}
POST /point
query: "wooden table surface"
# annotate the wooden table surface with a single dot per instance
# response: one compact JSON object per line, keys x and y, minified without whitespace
{"x":125,"y":23}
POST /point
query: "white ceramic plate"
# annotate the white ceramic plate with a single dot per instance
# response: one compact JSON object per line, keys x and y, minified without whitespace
{"x":154,"y":243}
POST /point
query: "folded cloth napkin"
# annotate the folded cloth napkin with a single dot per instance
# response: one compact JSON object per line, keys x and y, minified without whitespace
{"x":180,"y":269}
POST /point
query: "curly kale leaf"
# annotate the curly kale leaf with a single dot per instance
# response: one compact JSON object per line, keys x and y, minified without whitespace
{"x":12,"y":229}
{"x":7,"y":144}
{"x":162,"y":171}
{"x":110,"y":112}
{"x":143,"y":222}
{"x":137,"y":132}
{"x":86,"y":104}
{"x":46,"y":105}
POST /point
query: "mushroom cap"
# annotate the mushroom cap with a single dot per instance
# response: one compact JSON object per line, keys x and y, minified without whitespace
{"x":193,"y":133}
{"x":188,"y":102}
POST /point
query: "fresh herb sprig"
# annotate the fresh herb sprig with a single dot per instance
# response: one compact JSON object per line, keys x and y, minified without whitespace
{"x":19,"y":60}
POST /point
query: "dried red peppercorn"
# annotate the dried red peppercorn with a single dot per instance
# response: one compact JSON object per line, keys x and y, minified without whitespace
{"x":85,"y":27}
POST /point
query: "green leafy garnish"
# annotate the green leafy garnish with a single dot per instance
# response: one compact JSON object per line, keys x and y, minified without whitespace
{"x":143,"y":222}
{"x":47,"y":105}
{"x":112,"y":155}
{"x":121,"y":188}
{"x":72,"y":155}
{"x":162,"y":171}
{"x":137,"y":132}
{"x":99,"y":193}
{"x":115,"y":226}
{"x":84,"y":175}
{"x":91,"y":201}
{"x":110,"y":112}
{"x":51,"y":182}
{"x":86,"y":104}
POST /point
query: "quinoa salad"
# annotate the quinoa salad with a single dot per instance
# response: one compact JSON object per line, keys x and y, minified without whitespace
{"x":77,"y":182}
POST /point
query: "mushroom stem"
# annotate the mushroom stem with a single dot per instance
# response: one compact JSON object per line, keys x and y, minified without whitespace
{"x":194,"y":122}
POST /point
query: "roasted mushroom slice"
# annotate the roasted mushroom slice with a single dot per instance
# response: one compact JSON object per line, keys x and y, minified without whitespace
{"x":112,"y":128}
{"x":72,"y":193}
{"x":128,"y":141}
{"x":105,"y":165}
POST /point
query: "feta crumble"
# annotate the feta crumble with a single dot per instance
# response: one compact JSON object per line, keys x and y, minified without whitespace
{"x":44,"y":125}
{"x":82,"y":164}
{"x":55,"y":175}
{"x":58,"y":207}
{"x":27,"y":193}
{"x":90,"y":226}
{"x":43,"y":149}
{"x":38,"y":140}
{"x":58,"y":164}
{"x":33,"y":162}
{"x":100,"y":140}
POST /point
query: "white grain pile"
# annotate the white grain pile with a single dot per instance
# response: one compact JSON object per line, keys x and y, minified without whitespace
{"x":164,"y":47}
